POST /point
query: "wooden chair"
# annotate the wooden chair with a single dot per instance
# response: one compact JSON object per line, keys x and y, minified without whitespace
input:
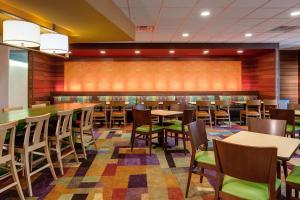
{"x":167,"y":104}
{"x":271,"y":127}
{"x":200,"y":156}
{"x":293,"y":183}
{"x":143,"y":129}
{"x":182,"y":129}
{"x":203,"y":111}
{"x":7,"y":109}
{"x":100,"y":113}
{"x":7,"y":156}
{"x":35,"y":140}
{"x":63,"y":134}
{"x":267,"y":105}
{"x":289,"y":116}
{"x":152,"y":105}
{"x":85,"y":128}
{"x":140,"y":107}
{"x":222,"y":112}
{"x":245,"y":172}
{"x":43,"y":105}
{"x":253,"y":108}
{"x":117,"y":112}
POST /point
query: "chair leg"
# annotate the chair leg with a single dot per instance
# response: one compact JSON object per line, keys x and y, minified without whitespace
{"x":215,"y":121}
{"x":288,"y":192}
{"x":59,"y":158}
{"x":210,"y":122}
{"x":229,"y":122}
{"x":16,"y":179}
{"x":284,"y":168}
{"x":241,"y":119}
{"x":201,"y":176}
{"x":189,"y":180}
{"x":94,"y":139}
{"x":150,"y":144}
{"x":48,"y":157}
{"x":73,"y":149}
{"x":132,"y":140}
{"x":82,"y":145}
{"x":27,"y":172}
{"x":184,"y":143}
{"x":176,"y":138}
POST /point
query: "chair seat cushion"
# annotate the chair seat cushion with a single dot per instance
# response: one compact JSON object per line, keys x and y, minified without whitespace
{"x":117,"y":114}
{"x":207,"y":157}
{"x":173,"y":121}
{"x":177,"y":127}
{"x":289,"y":128}
{"x":221,"y":113}
{"x":99,"y":114}
{"x":202,"y":114}
{"x":146,"y":128}
{"x":246,"y":189}
{"x":294,"y":176}
{"x":250,"y":112}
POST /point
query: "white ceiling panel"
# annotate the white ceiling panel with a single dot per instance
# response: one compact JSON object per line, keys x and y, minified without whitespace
{"x":144,"y":3}
{"x":249,"y":3}
{"x":179,"y":3}
{"x":264,"y":13}
{"x":214,"y":3}
{"x":233,"y":12}
{"x":121,"y":3}
{"x":281,"y":3}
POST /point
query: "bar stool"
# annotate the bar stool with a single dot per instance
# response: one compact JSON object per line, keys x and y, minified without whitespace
{"x":7,"y":155}
{"x":100,"y":113}
{"x":63,"y":131}
{"x":267,"y":105}
{"x":222,"y":112}
{"x":117,"y":112}
{"x":85,"y":127}
{"x":203,"y":111}
{"x":36,"y":139}
{"x":253,"y":109}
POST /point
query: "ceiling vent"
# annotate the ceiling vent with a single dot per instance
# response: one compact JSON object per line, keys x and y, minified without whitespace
{"x":145,"y":29}
{"x":284,"y":29}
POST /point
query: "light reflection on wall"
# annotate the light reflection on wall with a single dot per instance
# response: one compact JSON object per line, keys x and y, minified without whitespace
{"x":152,"y":75}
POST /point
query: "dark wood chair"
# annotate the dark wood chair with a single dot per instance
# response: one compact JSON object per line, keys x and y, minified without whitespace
{"x":200,"y":157}
{"x":100,"y":113}
{"x":167,"y":104}
{"x":268,"y":105}
{"x":289,"y":116}
{"x":143,"y":129}
{"x":203,"y":111}
{"x":293,"y":183}
{"x":245,"y":172}
{"x":272,"y":127}
{"x":180,"y":130}
{"x":253,"y":109}
{"x":222,"y":112}
{"x":152,"y":105}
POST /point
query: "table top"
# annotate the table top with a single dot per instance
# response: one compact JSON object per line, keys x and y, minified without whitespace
{"x":243,"y":102}
{"x":19,"y":115}
{"x":165,"y":113}
{"x":194,"y":102}
{"x":297,"y":112}
{"x":286,"y":147}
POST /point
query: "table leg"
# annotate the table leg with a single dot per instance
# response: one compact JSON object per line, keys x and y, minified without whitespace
{"x":161,"y":135}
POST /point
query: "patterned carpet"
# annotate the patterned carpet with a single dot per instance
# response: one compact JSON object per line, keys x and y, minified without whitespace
{"x":114,"y":172}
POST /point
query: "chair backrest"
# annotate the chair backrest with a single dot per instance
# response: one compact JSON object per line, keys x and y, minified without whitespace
{"x":294,"y":106}
{"x":177,"y":107}
{"x":7,"y":130}
{"x":187,"y":117}
{"x":142,"y":117}
{"x":140,"y":107}
{"x":267,"y":126}
{"x":151,"y":104}
{"x":167,"y":104}
{"x":270,"y":102}
{"x":12,"y":108}
{"x":100,"y":106}
{"x":203,"y":105}
{"x":43,"y":102}
{"x":255,"y":164}
{"x":64,"y":123}
{"x":220,"y":104}
{"x":42,"y":105}
{"x":86,"y":120}
{"x":38,"y":126}
{"x":288,"y":115}
{"x":117,"y":106}
{"x":198,"y":136}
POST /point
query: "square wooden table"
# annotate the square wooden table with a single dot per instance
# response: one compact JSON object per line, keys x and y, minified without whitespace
{"x":286,"y":147}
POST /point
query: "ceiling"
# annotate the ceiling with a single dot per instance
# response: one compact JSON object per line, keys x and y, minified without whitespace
{"x":82,"y":20}
{"x":228,"y":22}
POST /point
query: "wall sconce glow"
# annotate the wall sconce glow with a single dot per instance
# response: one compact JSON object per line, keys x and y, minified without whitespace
{"x":54,"y":43}
{"x":205,"y":13}
{"x":172,"y":51}
{"x":295,"y":13}
{"x":185,"y":34}
{"x":206,"y":52}
{"x":103,"y":52}
{"x":137,"y":51}
{"x":247,"y":35}
{"x":240,"y":51}
{"x":21,"y":33}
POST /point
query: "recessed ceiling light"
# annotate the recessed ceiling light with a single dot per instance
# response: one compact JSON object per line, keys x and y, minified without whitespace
{"x":205,"y":13}
{"x":103,"y":52}
{"x":137,"y":51}
{"x":206,"y":52}
{"x":248,"y":35}
{"x":295,"y":13}
{"x":70,"y":52}
{"x":172,"y":51}
{"x":185,"y":34}
{"x":240,"y":51}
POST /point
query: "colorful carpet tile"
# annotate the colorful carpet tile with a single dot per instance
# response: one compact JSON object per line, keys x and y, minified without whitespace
{"x":115,"y":172}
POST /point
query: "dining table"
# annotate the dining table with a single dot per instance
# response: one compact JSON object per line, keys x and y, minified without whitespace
{"x":286,"y":147}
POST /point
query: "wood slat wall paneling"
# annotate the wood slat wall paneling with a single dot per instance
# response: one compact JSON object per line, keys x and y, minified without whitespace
{"x":289,"y":75}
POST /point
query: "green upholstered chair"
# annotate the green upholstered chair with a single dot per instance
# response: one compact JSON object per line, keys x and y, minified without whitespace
{"x":143,"y":128}
{"x":246,"y":172}
{"x":180,"y":130}
{"x":293,"y":182}
{"x":200,"y":158}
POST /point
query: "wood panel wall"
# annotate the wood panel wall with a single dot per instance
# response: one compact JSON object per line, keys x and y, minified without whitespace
{"x":258,"y":74}
{"x":45,"y":75}
{"x":289,"y":75}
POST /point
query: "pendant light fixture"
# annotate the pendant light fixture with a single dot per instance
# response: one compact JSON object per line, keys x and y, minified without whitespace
{"x":21,"y":33}
{"x":54,"y":43}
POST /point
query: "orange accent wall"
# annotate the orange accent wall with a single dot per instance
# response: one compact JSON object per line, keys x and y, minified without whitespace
{"x":153,"y":75}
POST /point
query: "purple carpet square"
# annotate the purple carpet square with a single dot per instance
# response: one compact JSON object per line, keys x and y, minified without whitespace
{"x":137,"y":181}
{"x":129,"y":162}
{"x":135,"y":193}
